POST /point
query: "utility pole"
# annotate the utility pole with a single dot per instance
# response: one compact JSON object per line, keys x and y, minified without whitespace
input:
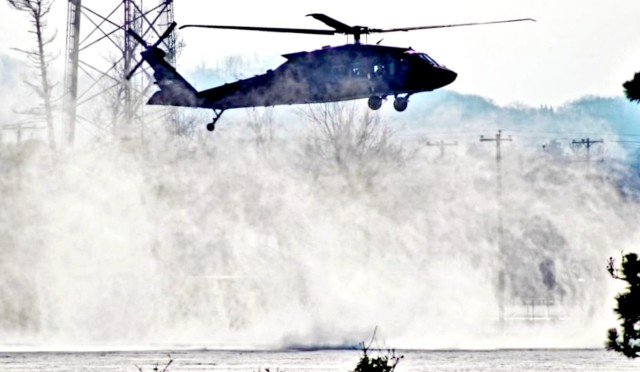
{"x":442,"y":145}
{"x":19,"y":129}
{"x":502,"y":271}
{"x":588,"y":143}
{"x":70,"y":98}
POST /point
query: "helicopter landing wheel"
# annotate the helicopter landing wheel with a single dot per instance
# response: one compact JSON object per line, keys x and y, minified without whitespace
{"x":400,"y":103}
{"x":375,"y":102}
{"x":211,"y":127}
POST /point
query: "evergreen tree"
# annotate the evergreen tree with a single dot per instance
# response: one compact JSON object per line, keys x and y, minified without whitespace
{"x":628,"y":307}
{"x":632,"y":88}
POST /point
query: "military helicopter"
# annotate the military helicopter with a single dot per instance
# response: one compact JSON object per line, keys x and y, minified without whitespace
{"x":331,"y":74}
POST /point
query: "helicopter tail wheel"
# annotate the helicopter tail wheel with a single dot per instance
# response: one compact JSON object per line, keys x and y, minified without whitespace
{"x":216,"y":115}
{"x":375,"y":102}
{"x":400,"y":103}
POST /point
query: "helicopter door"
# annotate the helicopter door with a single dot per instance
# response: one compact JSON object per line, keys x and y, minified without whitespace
{"x":354,"y":81}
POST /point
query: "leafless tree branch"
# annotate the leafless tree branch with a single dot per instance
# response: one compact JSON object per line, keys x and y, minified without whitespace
{"x":351,"y":139}
{"x":37,"y":11}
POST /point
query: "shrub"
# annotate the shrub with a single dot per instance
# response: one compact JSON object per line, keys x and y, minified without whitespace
{"x":382,"y":363}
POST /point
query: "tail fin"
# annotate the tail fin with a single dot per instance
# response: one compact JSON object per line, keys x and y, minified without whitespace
{"x":174,"y":89}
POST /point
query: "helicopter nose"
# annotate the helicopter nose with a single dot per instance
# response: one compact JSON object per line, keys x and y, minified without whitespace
{"x":447,"y":77}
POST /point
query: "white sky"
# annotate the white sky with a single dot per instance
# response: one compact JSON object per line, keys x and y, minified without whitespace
{"x":577,"y":47}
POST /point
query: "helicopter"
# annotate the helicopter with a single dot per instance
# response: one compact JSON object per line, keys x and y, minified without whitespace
{"x":330,"y":74}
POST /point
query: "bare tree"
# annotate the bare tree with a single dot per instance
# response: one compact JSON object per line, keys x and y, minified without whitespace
{"x":37,"y":11}
{"x":357,"y":143}
{"x":261,"y":123}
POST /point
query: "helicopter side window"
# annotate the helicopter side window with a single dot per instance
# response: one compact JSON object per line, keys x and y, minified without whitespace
{"x":392,"y":68}
{"x":378,"y":70}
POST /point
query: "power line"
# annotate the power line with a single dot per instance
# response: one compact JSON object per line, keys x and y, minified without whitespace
{"x":442,"y":145}
{"x":528,"y":132}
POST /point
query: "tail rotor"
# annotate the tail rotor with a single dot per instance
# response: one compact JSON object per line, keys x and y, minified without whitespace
{"x":149,"y":48}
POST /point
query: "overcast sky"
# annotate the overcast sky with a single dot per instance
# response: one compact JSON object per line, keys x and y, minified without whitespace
{"x":577,"y":47}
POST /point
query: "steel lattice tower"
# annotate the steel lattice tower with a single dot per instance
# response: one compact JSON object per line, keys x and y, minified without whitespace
{"x":100,"y":54}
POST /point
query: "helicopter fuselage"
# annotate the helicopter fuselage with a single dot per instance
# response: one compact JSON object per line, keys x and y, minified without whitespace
{"x":341,"y":73}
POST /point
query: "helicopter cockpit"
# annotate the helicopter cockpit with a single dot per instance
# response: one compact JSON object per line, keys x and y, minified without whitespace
{"x":431,"y":61}
{"x":423,"y":56}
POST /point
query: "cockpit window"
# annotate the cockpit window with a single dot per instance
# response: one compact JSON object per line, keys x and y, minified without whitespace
{"x":428,"y":59}
{"x":423,"y":56}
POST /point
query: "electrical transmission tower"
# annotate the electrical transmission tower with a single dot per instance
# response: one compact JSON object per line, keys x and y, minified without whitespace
{"x":99,"y":55}
{"x":502,"y":280}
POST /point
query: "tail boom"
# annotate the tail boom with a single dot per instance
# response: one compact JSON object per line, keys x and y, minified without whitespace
{"x":174,"y":89}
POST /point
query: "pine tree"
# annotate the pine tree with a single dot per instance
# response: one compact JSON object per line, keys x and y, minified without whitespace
{"x":628,"y":307}
{"x":632,"y":88}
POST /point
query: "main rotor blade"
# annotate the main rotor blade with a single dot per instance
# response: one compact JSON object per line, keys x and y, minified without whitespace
{"x":333,"y":23}
{"x":137,"y":37}
{"x":451,"y":25}
{"x":267,"y":29}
